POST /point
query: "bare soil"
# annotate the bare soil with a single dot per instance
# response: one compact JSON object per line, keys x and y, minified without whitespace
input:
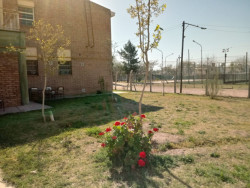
{"x":193,"y":91}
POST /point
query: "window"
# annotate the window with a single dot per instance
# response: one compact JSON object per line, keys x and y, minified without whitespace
{"x":32,"y":67}
{"x":65,"y":68}
{"x":26,"y":15}
{"x":64,"y":61}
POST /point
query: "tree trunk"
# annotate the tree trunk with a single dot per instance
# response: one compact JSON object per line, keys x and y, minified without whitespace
{"x":43,"y":102}
{"x":144,"y":85}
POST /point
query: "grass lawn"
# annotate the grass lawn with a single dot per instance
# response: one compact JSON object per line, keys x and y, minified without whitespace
{"x":201,"y":143}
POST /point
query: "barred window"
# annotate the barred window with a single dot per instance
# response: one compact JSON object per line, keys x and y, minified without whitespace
{"x":26,"y":15}
{"x":65,"y":68}
{"x":32,"y":67}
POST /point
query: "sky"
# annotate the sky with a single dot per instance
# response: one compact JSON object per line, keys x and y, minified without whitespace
{"x":227,"y":23}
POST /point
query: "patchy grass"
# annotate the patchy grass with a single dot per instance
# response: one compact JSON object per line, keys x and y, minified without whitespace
{"x":206,"y":143}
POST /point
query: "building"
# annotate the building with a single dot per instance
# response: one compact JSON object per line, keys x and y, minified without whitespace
{"x":89,"y":59}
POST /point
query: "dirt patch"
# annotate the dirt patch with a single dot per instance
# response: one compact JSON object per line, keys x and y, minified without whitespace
{"x":2,"y":183}
{"x":194,"y":91}
{"x":163,"y":138}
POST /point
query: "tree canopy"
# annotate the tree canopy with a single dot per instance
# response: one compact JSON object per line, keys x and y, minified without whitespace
{"x":129,"y":55}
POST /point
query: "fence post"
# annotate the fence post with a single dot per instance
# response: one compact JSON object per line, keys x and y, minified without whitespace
{"x":116,"y":74}
{"x":206,"y":82}
{"x":175,"y":82}
{"x":150,"y":79}
{"x":249,"y":83}
{"x":194,"y":76}
{"x":130,"y":79}
{"x":163,"y":87}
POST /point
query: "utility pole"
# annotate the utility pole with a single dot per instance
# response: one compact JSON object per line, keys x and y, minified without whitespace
{"x":182,"y":47}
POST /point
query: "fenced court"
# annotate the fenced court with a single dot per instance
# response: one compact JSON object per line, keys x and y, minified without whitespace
{"x":232,"y":80}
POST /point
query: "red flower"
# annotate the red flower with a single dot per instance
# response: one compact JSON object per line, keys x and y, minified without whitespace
{"x":134,"y":114}
{"x":108,"y":129}
{"x":101,"y":133}
{"x":150,"y":132}
{"x":142,"y":154}
{"x":114,"y":137}
{"x":141,"y":163}
{"x":103,"y":144}
{"x":117,"y":123}
{"x":143,"y":116}
{"x":125,"y":118}
{"x":155,"y":129}
{"x":122,"y":123}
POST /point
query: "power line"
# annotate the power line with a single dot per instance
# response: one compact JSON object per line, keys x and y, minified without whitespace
{"x":227,"y":26}
{"x":248,"y":32}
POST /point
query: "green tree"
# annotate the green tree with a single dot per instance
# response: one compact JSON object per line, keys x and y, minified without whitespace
{"x":129,"y":55}
{"x":143,"y":11}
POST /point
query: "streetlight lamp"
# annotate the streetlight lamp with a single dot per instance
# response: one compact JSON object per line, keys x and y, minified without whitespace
{"x":166,"y":62}
{"x":182,"y":48}
{"x":161,"y":70}
{"x":201,"y":61}
{"x":166,"y":58}
{"x":225,"y":50}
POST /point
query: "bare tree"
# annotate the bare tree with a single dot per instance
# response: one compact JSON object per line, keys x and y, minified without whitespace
{"x":143,"y":11}
{"x":50,"y":41}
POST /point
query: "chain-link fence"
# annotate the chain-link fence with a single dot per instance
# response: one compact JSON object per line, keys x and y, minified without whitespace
{"x":232,"y":79}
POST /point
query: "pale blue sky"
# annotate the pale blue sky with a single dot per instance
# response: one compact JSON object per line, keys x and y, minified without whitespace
{"x":227,"y":22}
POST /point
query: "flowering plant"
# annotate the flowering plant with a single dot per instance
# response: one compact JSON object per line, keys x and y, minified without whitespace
{"x":126,"y":143}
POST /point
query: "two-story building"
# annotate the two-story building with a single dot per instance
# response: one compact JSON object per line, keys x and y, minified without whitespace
{"x":89,"y":58}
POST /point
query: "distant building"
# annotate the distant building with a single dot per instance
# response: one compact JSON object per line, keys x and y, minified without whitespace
{"x":88,"y":25}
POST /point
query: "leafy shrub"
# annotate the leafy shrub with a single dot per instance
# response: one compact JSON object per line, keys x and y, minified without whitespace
{"x":215,"y":155}
{"x":93,"y":131}
{"x":165,"y":147}
{"x":187,"y":159}
{"x":126,"y":144}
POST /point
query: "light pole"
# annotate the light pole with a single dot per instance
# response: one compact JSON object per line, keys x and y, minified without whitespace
{"x":201,"y":61}
{"x":225,"y":50}
{"x":182,"y":48}
{"x":161,"y":70}
{"x":166,"y":62}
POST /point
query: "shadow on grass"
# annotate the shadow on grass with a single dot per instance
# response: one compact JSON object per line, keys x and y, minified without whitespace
{"x":70,"y":114}
{"x":151,"y":176}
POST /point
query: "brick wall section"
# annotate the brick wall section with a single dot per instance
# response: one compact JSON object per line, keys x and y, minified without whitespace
{"x":91,"y":54}
{"x":9,"y":82}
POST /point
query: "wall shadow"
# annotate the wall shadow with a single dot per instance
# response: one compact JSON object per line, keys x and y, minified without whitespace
{"x":70,"y":114}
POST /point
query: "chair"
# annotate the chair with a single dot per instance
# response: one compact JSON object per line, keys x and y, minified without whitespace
{"x":60,"y":92}
{"x":2,"y":104}
{"x":34,"y":94}
{"x":49,"y":93}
